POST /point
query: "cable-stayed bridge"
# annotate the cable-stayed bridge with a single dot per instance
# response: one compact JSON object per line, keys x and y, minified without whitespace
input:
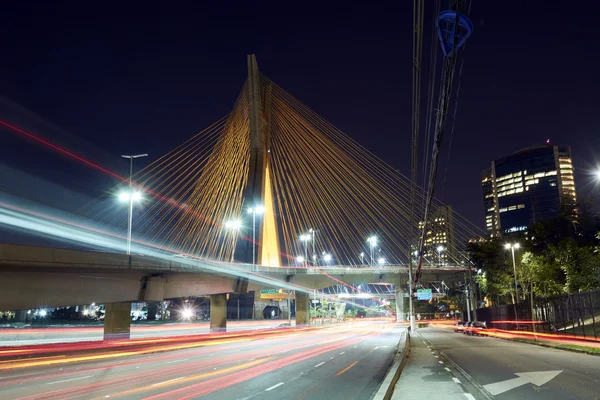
{"x":276,"y":188}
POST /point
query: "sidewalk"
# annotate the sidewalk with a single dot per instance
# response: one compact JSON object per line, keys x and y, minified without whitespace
{"x":425,"y":377}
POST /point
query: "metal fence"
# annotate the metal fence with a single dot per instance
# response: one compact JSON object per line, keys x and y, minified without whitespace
{"x":569,"y":314}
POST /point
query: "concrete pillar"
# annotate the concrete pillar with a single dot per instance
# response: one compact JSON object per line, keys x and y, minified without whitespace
{"x":218,"y":312}
{"x":400,"y":313}
{"x":117,"y":321}
{"x":302,"y":311}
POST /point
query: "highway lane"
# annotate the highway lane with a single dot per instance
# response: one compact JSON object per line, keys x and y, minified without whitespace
{"x":337,"y":362}
{"x":490,"y":366}
{"x":71,"y":334}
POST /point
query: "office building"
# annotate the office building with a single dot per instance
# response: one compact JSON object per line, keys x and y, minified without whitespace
{"x":526,"y":187}
{"x":440,"y":234}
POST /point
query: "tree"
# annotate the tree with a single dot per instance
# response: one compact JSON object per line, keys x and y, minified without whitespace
{"x":496,"y":278}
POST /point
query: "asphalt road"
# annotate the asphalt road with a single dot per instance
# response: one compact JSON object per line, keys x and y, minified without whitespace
{"x":488,"y":366}
{"x":346,"y":361}
{"x":43,"y":335}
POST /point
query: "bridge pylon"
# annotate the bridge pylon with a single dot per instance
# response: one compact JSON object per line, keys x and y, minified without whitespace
{"x":259,"y":186}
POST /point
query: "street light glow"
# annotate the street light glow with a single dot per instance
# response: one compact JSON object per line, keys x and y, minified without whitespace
{"x":256,"y":210}
{"x":509,"y":246}
{"x":440,"y":249}
{"x":43,"y":313}
{"x":124,"y":196}
{"x":187,"y":313}
{"x":381,"y":261}
{"x":305,"y":237}
{"x":234,"y":224}
{"x":372,"y":240}
{"x":327,"y":257}
{"x":300,"y":259}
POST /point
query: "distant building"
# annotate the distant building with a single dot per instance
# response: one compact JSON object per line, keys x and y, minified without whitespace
{"x":526,"y":187}
{"x":440,"y":233}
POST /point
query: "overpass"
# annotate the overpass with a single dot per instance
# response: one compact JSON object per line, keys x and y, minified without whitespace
{"x":38,"y":277}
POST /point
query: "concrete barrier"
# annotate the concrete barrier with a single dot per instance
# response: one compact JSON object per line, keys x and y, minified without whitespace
{"x":389,"y":382}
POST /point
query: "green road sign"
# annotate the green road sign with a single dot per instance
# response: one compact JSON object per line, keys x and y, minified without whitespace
{"x":424,"y":294}
{"x":269,"y":291}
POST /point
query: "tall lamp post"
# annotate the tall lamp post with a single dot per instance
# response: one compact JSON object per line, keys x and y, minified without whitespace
{"x":439,"y":250}
{"x":305,"y":238}
{"x":131,"y":196}
{"x":512,"y":247}
{"x":254,"y":211}
{"x":372,"y":243}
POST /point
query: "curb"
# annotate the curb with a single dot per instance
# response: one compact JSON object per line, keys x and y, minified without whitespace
{"x":386,"y":389}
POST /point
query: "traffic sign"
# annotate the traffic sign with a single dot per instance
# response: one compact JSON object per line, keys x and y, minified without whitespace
{"x":424,"y":294}
{"x":270,"y":291}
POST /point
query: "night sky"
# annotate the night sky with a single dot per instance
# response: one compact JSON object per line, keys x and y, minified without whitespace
{"x":123,"y":78}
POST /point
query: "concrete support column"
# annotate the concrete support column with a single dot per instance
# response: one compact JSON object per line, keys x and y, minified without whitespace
{"x":302,"y":311}
{"x":117,"y":321}
{"x":400,"y":313}
{"x":218,"y":312}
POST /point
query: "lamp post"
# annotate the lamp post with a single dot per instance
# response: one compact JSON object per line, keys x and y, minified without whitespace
{"x":254,"y":210}
{"x":512,"y":247}
{"x":131,"y":196}
{"x":439,"y":251}
{"x":305,"y":238}
{"x":313,"y":233}
{"x":362,"y":257}
{"x":372,"y":240}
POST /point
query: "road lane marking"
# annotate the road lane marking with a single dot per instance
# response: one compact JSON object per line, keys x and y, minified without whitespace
{"x":347,"y":368}
{"x":455,"y":380}
{"x":447,"y":369}
{"x":469,"y":396}
{"x":436,"y":356}
{"x":69,"y":380}
{"x":538,"y":378}
{"x":274,"y":387}
{"x":176,"y":361}
{"x":342,"y":353}
{"x":170,"y":380}
{"x":441,"y":362}
{"x":319,"y":364}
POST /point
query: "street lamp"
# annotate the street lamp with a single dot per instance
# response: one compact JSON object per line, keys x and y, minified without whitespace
{"x":131,"y":196}
{"x":306,"y":237}
{"x":362,"y":256}
{"x":381,"y":261}
{"x":233,"y":224}
{"x":327,"y":257}
{"x":439,"y":250}
{"x":254,"y":211}
{"x":372,"y":243}
{"x":512,"y":247}
{"x":300,"y":259}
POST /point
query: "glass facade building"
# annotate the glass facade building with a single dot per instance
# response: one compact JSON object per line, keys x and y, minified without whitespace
{"x":526,"y":187}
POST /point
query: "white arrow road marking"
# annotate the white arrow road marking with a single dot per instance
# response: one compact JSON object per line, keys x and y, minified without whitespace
{"x":537,"y":378}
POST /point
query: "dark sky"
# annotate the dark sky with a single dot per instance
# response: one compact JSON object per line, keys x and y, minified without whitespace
{"x":145,"y":77}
